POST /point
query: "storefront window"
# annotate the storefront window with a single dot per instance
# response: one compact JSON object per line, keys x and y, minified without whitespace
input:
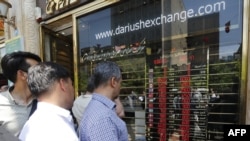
{"x":181,"y":63}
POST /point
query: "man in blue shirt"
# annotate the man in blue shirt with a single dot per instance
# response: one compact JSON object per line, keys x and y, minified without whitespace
{"x":100,"y":121}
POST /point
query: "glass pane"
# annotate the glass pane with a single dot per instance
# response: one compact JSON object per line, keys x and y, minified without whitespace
{"x":181,"y":62}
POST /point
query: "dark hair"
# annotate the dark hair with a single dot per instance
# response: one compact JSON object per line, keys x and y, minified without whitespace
{"x":12,"y":62}
{"x":90,"y":85}
{"x":42,"y":76}
{"x":104,"y":71}
{"x":3,"y":80}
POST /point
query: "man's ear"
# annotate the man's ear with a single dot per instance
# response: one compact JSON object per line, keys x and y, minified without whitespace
{"x":62,"y":84}
{"x":113,"y":82}
{"x":21,"y":74}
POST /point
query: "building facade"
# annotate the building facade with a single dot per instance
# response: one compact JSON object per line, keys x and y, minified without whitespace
{"x":184,"y":62}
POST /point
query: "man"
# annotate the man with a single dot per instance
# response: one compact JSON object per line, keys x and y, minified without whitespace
{"x":82,"y":102}
{"x":174,"y":135}
{"x":52,"y":121}
{"x":100,"y":121}
{"x":16,"y":102}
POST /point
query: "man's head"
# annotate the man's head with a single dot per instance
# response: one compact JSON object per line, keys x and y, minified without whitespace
{"x":51,"y":82}
{"x":14,"y":62}
{"x":107,"y":78}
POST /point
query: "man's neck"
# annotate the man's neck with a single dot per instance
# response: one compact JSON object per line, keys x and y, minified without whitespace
{"x":21,"y":96}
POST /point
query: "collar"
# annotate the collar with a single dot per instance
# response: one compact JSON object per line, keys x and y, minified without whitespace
{"x":11,"y":99}
{"x":106,"y":101}
{"x":44,"y":106}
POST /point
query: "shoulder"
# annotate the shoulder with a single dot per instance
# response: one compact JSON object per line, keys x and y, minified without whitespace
{"x":82,"y":100}
{"x":4,"y":134}
{"x":4,"y":97}
{"x":96,"y":110}
{"x":41,"y":119}
{"x":33,"y":129}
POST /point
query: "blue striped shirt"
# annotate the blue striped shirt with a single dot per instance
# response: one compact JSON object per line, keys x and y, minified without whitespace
{"x":101,"y":123}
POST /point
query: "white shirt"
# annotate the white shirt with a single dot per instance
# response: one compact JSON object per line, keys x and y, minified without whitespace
{"x":80,"y":105}
{"x":49,"y":123}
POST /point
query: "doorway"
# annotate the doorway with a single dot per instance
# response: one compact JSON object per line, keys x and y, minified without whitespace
{"x":57,"y":43}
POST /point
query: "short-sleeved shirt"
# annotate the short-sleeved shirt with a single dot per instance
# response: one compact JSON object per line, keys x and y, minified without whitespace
{"x":13,"y":115}
{"x":100,"y":121}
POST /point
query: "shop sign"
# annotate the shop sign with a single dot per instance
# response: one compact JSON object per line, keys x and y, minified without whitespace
{"x":15,"y":44}
{"x":113,"y":54}
{"x":55,"y":5}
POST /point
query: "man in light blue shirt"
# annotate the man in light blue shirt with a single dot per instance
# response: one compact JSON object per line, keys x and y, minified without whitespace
{"x":100,"y":121}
